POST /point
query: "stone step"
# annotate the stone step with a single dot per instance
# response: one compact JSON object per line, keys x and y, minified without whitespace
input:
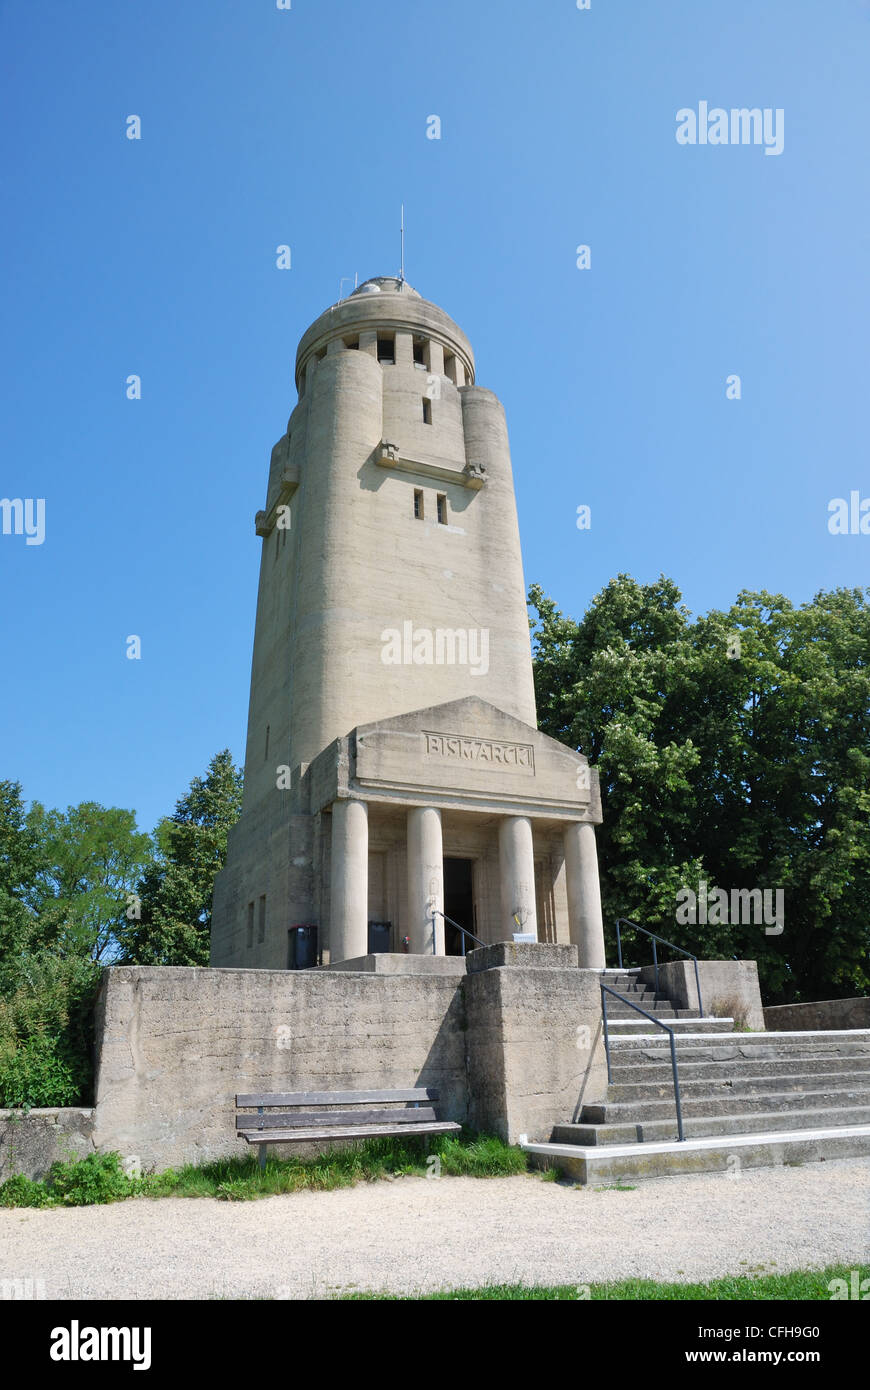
{"x":726,"y":1102}
{"x":726,"y":1078}
{"x":667,"y":1015}
{"x":703,"y":1126}
{"x":636,"y":1027}
{"x":631,"y":1047}
{"x":726,"y":1154}
{"x":695,"y":1068}
{"x":622,"y":1011}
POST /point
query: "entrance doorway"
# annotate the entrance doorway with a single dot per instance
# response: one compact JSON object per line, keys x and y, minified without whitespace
{"x":458,"y":903}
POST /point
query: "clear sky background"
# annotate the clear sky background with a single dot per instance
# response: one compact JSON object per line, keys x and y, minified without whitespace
{"x":308,"y":127}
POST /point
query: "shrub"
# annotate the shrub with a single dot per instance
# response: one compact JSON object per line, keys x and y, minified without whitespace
{"x":46,"y":1033}
{"x":19,"y":1191}
{"x":37,"y":1074}
{"x":88,"y":1181}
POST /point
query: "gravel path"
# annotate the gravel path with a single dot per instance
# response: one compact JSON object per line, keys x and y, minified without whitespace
{"x":414,"y":1234}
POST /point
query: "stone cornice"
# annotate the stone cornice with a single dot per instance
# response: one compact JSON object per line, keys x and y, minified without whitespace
{"x":389,"y":455}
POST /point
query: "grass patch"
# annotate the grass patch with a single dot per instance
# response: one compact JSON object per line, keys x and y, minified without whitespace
{"x":101,"y":1178}
{"x":807,"y":1285}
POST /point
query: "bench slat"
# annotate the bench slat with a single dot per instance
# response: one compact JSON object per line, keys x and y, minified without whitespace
{"x":301,"y":1119}
{"x":299,"y":1136}
{"x":335,"y":1097}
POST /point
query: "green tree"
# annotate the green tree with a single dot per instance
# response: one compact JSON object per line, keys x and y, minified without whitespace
{"x":91,"y":857}
{"x":19,"y":862}
{"x":189,"y":849}
{"x":733,"y":749}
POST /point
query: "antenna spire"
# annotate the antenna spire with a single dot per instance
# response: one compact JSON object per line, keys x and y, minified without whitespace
{"x":402,"y":270}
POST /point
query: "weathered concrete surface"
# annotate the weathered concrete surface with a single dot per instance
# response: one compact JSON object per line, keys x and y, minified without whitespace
{"x":30,"y":1141}
{"x":824,"y":1013}
{"x":535,"y":1047}
{"x":537,"y":955}
{"x":727,"y":987}
{"x":512,"y":1049}
{"x":389,"y":963}
{"x":176,"y":1045}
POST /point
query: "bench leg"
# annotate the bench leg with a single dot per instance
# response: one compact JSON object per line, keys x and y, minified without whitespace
{"x":262,"y":1158}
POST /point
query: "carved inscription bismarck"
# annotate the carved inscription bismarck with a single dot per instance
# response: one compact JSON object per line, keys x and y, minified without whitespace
{"x":490,"y":753}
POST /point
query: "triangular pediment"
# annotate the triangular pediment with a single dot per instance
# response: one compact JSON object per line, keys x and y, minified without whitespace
{"x":471,"y":716}
{"x":472,"y":751}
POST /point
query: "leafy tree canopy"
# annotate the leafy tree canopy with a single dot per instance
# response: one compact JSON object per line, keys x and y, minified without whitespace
{"x":732,"y":749}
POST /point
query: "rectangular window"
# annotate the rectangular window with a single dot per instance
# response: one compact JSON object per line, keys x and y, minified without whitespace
{"x":442,"y":509}
{"x":352,"y":342}
{"x":427,"y":412}
{"x":250,"y":924}
{"x":261,"y":919}
{"x":386,"y":347}
{"x":419,"y":352}
{"x":450,"y":366}
{"x":418,"y":503}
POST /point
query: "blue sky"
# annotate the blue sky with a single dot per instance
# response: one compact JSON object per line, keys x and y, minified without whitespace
{"x":308,"y":127}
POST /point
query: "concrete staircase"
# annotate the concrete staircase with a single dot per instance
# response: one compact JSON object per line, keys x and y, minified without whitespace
{"x":748,"y":1099}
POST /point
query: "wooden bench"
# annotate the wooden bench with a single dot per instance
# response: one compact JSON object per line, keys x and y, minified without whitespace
{"x":342,"y":1120}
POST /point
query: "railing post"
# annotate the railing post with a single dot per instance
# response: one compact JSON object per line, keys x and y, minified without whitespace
{"x":656,"y":964}
{"x":676,"y":1086}
{"x":618,"y":944}
{"x":698,"y":986}
{"x":606,"y":1035}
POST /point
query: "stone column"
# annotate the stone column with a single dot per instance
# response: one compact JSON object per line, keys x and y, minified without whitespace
{"x":349,"y":879}
{"x":584,"y":894}
{"x":516,"y":863}
{"x":425,"y":880}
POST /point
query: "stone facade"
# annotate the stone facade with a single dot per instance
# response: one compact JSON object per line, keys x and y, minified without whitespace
{"x":394,"y":774}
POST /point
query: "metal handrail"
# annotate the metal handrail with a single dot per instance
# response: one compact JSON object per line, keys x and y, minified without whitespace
{"x":605,"y":989}
{"x":437,"y":913}
{"x":626,"y":921}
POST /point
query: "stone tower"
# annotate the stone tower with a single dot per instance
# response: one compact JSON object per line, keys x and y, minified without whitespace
{"x":395,"y":782}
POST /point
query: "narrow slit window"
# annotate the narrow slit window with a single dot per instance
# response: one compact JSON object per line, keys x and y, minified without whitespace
{"x":266,"y":753}
{"x":250,"y":924}
{"x":427,"y":412}
{"x":419,"y":352}
{"x":261,"y":919}
{"x":450,"y":367}
{"x":442,"y":508}
{"x":418,"y":503}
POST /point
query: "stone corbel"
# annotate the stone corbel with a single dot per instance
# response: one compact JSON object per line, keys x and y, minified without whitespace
{"x":264,"y":522}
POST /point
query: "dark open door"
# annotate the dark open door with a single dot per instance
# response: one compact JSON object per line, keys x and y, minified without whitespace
{"x":458,"y":903}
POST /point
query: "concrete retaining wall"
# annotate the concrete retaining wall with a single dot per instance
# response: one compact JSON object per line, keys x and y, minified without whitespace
{"x":176,"y":1045}
{"x":727,"y":987}
{"x":30,"y":1141}
{"x":826,"y":1013}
